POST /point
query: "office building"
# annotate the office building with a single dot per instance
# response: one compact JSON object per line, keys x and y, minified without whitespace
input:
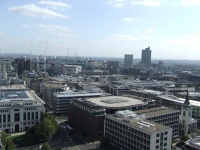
{"x":19,"y":109}
{"x":47,"y":88}
{"x":129,"y":131}
{"x":128,"y":61}
{"x":113,"y":67}
{"x":87,"y":118}
{"x":70,"y":69}
{"x":163,"y":115}
{"x":61,"y":100}
{"x":146,"y":58}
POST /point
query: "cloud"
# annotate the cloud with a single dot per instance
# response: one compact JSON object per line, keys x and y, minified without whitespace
{"x":57,"y":30}
{"x":104,"y":41}
{"x":53,"y":28}
{"x":32,"y":10}
{"x":116,"y":3}
{"x":55,"y":5}
{"x":190,"y":2}
{"x":65,"y":35}
{"x":151,"y":30}
{"x":136,"y":31}
{"x":127,"y":19}
{"x":123,"y":37}
{"x":24,"y":25}
{"x":151,"y":3}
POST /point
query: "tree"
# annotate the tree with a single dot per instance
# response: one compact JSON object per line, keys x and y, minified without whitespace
{"x":46,"y":146}
{"x":184,"y":138}
{"x":47,"y":128}
{"x":9,"y":144}
{"x":4,"y":138}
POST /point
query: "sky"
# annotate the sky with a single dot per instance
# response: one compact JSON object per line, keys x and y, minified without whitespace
{"x":101,"y":28}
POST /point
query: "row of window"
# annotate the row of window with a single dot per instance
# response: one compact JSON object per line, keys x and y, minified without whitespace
{"x":4,"y":110}
{"x":30,"y":108}
{"x":8,"y":125}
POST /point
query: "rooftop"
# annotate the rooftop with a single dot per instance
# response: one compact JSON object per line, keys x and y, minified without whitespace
{"x":156,"y":111}
{"x":137,"y":122}
{"x":116,"y":101}
{"x":179,"y":100}
{"x":89,"y":104}
{"x":19,"y":95}
{"x":13,"y":87}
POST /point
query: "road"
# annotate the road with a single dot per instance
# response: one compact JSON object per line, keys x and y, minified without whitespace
{"x":69,"y":142}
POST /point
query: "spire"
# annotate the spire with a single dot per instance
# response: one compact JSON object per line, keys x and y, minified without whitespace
{"x":187,"y":101}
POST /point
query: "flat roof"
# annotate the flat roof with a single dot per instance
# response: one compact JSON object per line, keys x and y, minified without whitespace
{"x":179,"y":100}
{"x":5,"y":95}
{"x":116,"y":101}
{"x":156,"y":111}
{"x":19,"y":95}
{"x":54,"y":84}
{"x":149,"y":91}
{"x":13,"y":87}
{"x":143,"y":125}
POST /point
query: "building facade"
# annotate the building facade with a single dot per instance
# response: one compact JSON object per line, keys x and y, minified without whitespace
{"x":163,"y":115}
{"x":146,"y":57}
{"x":61,"y":100}
{"x":47,"y":88}
{"x":128,"y":61}
{"x":87,"y":118}
{"x":19,"y":110}
{"x":128,"y":131}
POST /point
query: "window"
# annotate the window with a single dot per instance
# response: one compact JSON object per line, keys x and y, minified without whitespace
{"x":24,"y":116}
{"x":157,"y":146}
{"x":157,"y":135}
{"x":165,"y":144}
{"x":8,"y":117}
{"x":4,"y":118}
{"x":166,"y":133}
{"x":32,"y":115}
{"x":36,"y":115}
{"x":17,"y":117}
{"x":183,"y":113}
{"x":165,"y":139}
{"x":157,"y":141}
{"x":29,"y":115}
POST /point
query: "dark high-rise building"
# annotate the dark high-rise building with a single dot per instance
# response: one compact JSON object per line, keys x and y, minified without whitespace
{"x":146,"y":57}
{"x":128,"y":61}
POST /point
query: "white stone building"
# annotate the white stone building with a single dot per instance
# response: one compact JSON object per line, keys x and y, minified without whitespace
{"x":19,"y":110}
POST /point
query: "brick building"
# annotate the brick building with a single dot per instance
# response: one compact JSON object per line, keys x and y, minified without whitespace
{"x":87,"y":118}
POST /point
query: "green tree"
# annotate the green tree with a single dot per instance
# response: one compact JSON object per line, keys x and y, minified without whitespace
{"x":46,"y":130}
{"x":9,"y":144}
{"x":46,"y":146}
{"x":4,"y":138}
{"x":184,"y":138}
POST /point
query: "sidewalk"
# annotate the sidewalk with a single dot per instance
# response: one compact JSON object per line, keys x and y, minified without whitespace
{"x":15,"y":134}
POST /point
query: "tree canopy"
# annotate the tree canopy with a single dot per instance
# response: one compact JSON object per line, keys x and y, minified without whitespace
{"x":46,"y":146}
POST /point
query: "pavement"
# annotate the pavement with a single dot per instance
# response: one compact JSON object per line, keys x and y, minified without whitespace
{"x":16,"y":134}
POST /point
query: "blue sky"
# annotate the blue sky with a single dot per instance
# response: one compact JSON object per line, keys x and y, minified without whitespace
{"x":109,"y":28}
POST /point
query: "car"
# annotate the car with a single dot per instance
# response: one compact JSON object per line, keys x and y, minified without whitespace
{"x":40,"y":147}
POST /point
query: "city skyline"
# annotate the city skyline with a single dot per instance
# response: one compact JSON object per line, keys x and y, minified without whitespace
{"x":101,"y":28}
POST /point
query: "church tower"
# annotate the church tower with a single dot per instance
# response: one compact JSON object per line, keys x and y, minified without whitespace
{"x":186,"y":116}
